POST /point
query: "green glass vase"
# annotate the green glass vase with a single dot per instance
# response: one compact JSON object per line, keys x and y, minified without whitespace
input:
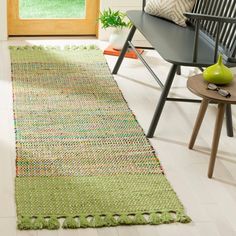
{"x":218,"y":73}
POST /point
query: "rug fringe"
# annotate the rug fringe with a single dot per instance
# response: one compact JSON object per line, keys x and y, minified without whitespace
{"x":64,"y":48}
{"x":70,"y":223}
{"x":53,"y":223}
{"x":40,"y":223}
{"x":83,"y":221}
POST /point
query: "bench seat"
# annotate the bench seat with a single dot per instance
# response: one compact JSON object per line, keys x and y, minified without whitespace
{"x":176,"y":44}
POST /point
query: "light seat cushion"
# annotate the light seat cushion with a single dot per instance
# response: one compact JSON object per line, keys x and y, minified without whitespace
{"x":170,"y":9}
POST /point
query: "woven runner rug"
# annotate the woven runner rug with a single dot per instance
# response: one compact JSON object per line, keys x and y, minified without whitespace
{"x":82,"y":158}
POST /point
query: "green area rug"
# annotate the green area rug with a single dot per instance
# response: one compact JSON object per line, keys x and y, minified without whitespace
{"x":82,"y":158}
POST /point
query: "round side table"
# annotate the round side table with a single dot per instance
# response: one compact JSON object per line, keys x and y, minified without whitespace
{"x":198,"y":86}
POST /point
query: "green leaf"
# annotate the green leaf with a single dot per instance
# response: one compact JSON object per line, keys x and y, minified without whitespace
{"x":109,"y":18}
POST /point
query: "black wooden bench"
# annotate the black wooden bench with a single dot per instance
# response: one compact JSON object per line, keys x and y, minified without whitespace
{"x":210,"y":30}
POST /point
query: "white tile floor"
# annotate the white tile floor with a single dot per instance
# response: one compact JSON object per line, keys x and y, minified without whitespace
{"x":210,"y":203}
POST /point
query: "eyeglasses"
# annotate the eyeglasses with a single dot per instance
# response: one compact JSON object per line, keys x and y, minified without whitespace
{"x":222,"y":92}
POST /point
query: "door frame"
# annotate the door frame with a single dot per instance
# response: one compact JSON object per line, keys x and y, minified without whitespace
{"x":38,"y":27}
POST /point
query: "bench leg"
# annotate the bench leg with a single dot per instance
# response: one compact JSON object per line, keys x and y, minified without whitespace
{"x":229,"y":122}
{"x":178,"y":72}
{"x":124,"y":50}
{"x":162,"y":101}
{"x":200,"y":116}
{"x":216,"y":137}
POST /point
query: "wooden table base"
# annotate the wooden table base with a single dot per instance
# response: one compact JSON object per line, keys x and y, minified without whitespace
{"x":216,"y":137}
{"x":217,"y":131}
{"x":200,"y":116}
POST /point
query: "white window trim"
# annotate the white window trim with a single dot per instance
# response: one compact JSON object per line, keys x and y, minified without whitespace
{"x":3,"y":20}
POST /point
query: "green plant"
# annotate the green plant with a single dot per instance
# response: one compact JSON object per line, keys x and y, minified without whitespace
{"x":117,"y":19}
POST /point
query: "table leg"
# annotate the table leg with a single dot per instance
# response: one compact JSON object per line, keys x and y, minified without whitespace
{"x":216,"y":137}
{"x":198,"y":122}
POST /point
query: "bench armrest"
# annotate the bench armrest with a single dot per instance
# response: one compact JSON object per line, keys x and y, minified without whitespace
{"x":210,"y":18}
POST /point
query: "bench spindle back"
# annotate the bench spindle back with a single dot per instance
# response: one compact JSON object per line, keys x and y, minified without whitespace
{"x":227,"y":33}
{"x":224,"y":34}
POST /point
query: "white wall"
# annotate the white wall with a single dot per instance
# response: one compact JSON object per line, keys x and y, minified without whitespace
{"x":3,"y":19}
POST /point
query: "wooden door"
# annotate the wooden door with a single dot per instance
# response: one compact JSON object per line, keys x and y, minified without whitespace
{"x":85,"y":25}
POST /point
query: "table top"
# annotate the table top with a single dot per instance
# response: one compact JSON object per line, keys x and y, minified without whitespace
{"x":198,"y":86}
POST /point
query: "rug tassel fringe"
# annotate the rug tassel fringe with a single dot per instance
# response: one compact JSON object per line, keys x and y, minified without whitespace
{"x":155,"y":219}
{"x":167,"y":218}
{"x":66,"y":48}
{"x":110,"y":220}
{"x":40,"y":223}
{"x":53,"y":223}
{"x":84,"y":222}
{"x":99,"y":221}
{"x":182,"y":218}
{"x":70,"y":223}
{"x":95,"y":221}
{"x":125,"y":220}
{"x":25,"y":223}
{"x":139,"y":219}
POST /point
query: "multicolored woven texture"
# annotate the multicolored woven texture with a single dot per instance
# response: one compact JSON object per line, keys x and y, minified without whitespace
{"x":82,"y":158}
